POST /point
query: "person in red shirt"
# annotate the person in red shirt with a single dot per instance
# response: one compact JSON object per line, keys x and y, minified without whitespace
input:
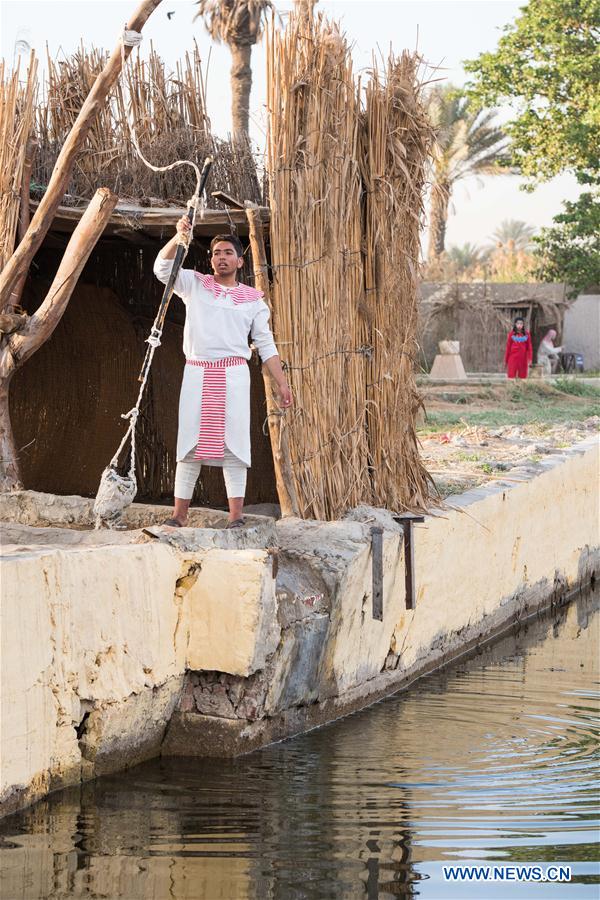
{"x":519,"y":350}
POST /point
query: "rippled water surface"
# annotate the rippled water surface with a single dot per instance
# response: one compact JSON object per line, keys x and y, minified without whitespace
{"x":494,"y":761}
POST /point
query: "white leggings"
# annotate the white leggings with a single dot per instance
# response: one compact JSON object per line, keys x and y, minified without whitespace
{"x":187,"y":471}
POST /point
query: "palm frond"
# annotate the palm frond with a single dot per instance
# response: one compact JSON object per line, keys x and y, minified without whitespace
{"x":468,"y":142}
{"x":238,"y":22}
{"x":513,"y":233}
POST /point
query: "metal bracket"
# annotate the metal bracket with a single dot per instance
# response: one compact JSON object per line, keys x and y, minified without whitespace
{"x":407,"y":520}
{"x":377,"y":556}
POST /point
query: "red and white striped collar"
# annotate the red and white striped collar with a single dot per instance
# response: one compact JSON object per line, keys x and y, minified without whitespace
{"x":241,"y":293}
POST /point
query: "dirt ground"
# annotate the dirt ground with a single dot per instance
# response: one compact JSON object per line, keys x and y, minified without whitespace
{"x":473,"y":433}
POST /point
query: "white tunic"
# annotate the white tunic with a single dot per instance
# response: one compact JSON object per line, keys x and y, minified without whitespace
{"x":217,"y":325}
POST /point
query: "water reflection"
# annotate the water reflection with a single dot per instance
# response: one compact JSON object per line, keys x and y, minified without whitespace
{"x":493,"y":760}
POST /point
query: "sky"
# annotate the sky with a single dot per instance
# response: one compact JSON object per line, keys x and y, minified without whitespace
{"x":445,"y":32}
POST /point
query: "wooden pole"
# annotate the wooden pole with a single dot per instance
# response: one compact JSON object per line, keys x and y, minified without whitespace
{"x":284,"y":476}
{"x":39,"y":225}
{"x":17,"y":348}
{"x":24,"y":220}
{"x":24,"y":217}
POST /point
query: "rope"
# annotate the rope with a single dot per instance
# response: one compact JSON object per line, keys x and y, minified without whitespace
{"x":134,"y":39}
{"x":131,"y":38}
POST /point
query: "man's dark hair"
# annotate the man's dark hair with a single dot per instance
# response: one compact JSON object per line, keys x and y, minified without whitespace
{"x":231,"y":239}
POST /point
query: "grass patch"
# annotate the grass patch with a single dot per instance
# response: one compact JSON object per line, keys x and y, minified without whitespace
{"x":530,"y":413}
{"x":455,"y":398}
{"x":576,"y":388}
{"x":527,"y":391}
{"x":449,"y":488}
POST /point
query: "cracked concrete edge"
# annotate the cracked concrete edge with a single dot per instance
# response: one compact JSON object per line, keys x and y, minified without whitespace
{"x":106,"y":740}
{"x":200,"y":735}
{"x":119,"y":752}
{"x":70,"y":519}
{"x":302,"y":718}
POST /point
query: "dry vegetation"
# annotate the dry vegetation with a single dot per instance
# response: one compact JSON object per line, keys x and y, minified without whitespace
{"x":347,"y":166}
{"x":501,"y":265}
{"x":167,"y":111}
{"x":17,"y":105}
{"x":476,"y":433}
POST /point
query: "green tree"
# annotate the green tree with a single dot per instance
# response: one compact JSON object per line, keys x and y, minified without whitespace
{"x":468,"y":142}
{"x":569,"y":251}
{"x":239,"y":24}
{"x":547,"y":67}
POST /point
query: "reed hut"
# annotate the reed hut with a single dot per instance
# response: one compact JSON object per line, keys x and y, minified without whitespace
{"x":479,"y":315}
{"x":334,"y":232}
{"x":66,"y":402}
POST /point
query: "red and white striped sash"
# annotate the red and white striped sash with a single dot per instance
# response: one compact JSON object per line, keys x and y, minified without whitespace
{"x":211,"y":438}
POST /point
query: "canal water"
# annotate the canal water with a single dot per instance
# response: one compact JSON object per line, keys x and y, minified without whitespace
{"x":492,"y":763}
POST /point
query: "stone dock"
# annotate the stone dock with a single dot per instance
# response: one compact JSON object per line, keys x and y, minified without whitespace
{"x":120,"y":646}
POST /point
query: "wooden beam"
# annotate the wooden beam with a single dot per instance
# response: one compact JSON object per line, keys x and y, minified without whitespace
{"x":24,"y":218}
{"x":227,"y":199}
{"x":284,"y":476}
{"x":155,"y":218}
{"x":83,"y":240}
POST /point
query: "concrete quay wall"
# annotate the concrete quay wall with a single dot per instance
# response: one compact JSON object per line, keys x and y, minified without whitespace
{"x":492,"y":556}
{"x":116,"y":652}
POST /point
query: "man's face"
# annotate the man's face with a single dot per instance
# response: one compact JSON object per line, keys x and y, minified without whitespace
{"x":224,"y":259}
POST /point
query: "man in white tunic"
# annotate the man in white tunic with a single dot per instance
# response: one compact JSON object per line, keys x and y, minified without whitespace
{"x":214,"y":404}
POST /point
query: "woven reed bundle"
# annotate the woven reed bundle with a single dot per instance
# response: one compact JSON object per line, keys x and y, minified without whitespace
{"x":17,"y":103}
{"x":346,"y":178}
{"x":315,"y":190}
{"x":397,"y":138}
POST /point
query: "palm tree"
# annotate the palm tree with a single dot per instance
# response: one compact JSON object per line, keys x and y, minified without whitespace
{"x":466,"y":256}
{"x":467,"y":143}
{"x":305,"y":7}
{"x":515,"y":233}
{"x":239,"y":24}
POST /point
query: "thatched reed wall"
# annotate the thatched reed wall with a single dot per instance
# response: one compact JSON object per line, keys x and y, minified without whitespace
{"x":17,"y":111}
{"x":67,"y":401}
{"x":479,"y":316}
{"x":346,"y":169}
{"x":167,"y":111}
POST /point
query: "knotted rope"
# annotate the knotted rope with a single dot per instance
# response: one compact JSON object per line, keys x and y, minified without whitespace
{"x":117,"y":491}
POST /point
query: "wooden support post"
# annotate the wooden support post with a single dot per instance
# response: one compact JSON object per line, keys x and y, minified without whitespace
{"x":16,"y":348}
{"x":284,"y":476}
{"x":81,"y":243}
{"x":24,"y":217}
